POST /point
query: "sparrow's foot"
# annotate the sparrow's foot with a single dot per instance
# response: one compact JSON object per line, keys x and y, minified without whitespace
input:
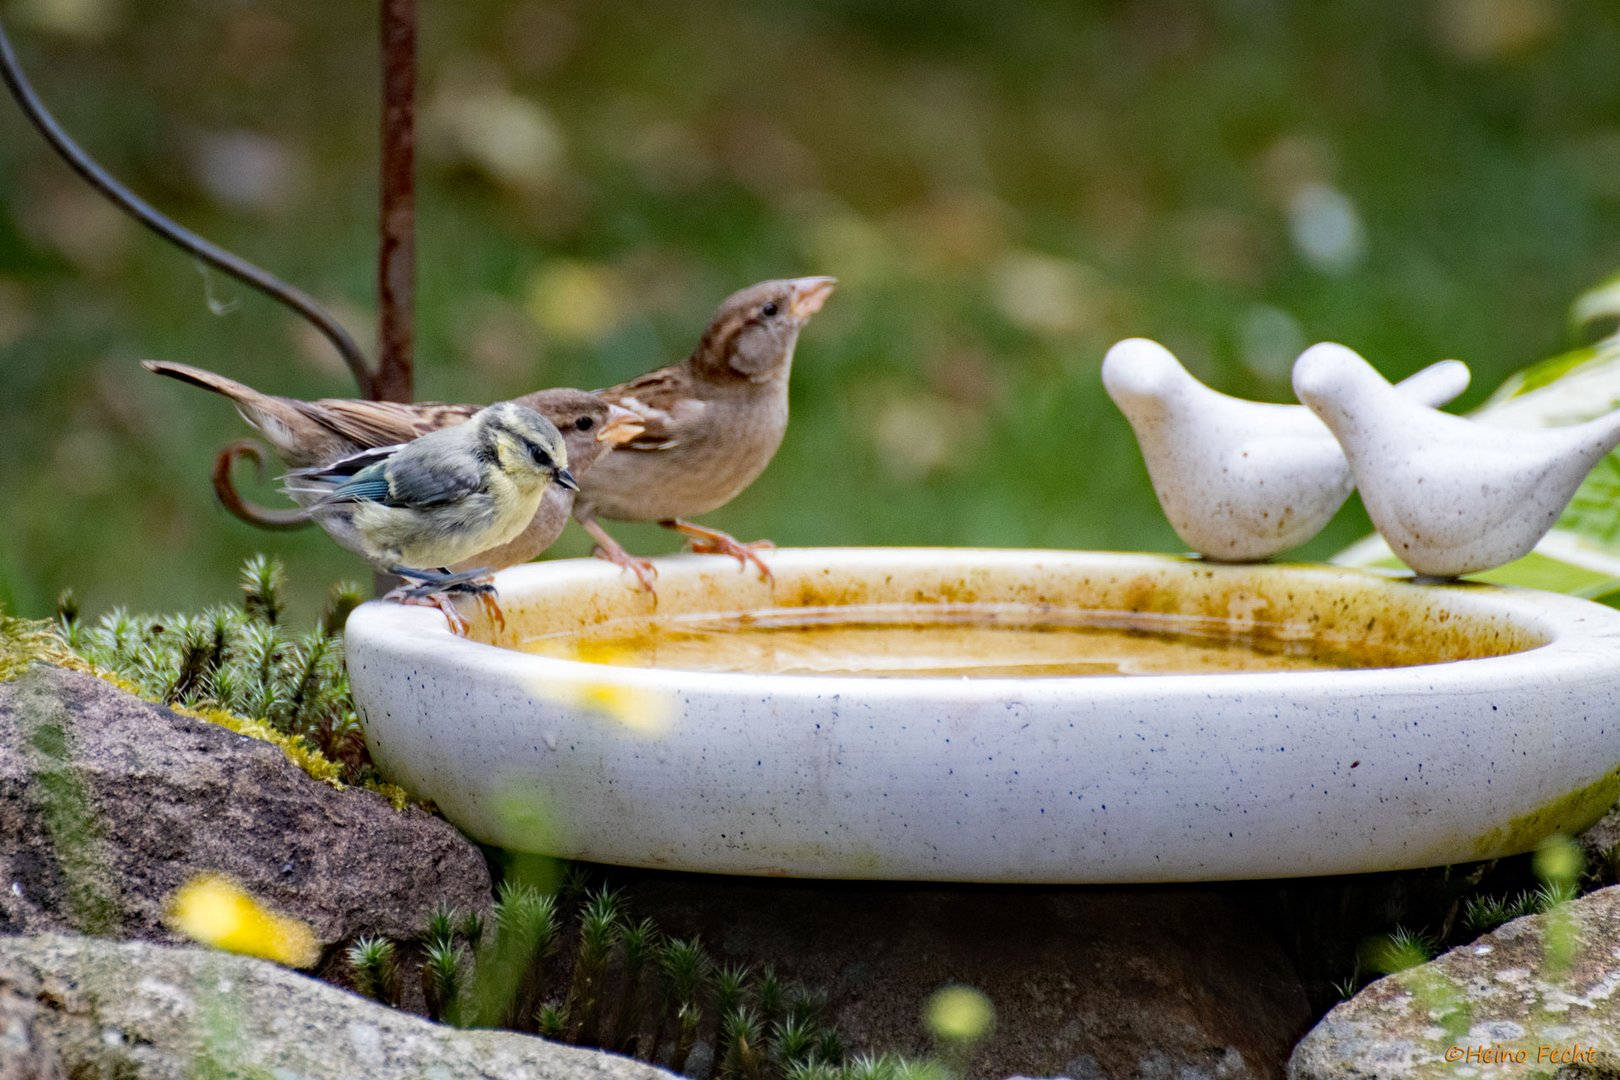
{"x":707,"y":541}
{"x":614,"y":552}
{"x":643,"y":569}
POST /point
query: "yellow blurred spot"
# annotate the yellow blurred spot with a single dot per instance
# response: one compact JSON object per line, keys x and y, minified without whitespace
{"x":574,"y":301}
{"x":639,"y":710}
{"x":1487,"y":30}
{"x":216,"y":911}
{"x":959,"y":1014}
{"x":1045,"y":294}
{"x":87,"y":19}
{"x":602,"y":652}
{"x":645,"y":712}
{"x":1558,"y":861}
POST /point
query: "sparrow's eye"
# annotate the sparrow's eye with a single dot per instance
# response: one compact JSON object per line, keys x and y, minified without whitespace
{"x":584,"y":423}
{"x":770,"y":309}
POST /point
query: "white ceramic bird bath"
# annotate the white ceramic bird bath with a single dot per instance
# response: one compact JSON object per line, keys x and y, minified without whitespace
{"x":1511,"y":731}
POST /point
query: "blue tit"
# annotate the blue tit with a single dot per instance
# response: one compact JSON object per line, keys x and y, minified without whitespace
{"x":417,"y":507}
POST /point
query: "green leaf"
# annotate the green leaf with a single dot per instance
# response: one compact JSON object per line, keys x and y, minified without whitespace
{"x":1601,"y":301}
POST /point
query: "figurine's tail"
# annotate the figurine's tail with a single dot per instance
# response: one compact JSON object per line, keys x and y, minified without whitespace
{"x":1436,"y":385}
{"x":1595,"y":438}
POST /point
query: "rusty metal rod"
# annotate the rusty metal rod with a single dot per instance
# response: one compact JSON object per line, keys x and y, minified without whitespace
{"x":396,"y":240}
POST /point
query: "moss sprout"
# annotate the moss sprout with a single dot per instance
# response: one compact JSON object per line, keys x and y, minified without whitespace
{"x":374,"y":967}
{"x":741,"y":1044}
{"x":829,"y":1045}
{"x":814,"y":1070}
{"x":507,"y":973}
{"x":551,"y":1020}
{"x":441,"y":926}
{"x":792,"y":1041}
{"x":686,"y":970}
{"x":264,"y":580}
{"x":1401,"y":949}
{"x":730,"y":983}
{"x":599,"y":926}
{"x":769,"y":995}
{"x":638,"y":942}
{"x":806,"y":1006}
{"x":442,"y":979}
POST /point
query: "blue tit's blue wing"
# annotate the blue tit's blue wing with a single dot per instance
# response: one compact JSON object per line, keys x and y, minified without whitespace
{"x":370,"y":484}
{"x":438,"y":468}
{"x":421,"y":480}
{"x":359,"y":477}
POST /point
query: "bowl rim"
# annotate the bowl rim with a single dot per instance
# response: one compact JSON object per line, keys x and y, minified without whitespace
{"x":1575,"y":629}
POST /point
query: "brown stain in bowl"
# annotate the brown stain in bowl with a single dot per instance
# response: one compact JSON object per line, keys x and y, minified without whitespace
{"x":1361,"y":619}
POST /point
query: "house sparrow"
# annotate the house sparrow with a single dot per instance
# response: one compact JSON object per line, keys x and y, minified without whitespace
{"x":713,"y":422}
{"x":414,"y":509}
{"x":313,"y":433}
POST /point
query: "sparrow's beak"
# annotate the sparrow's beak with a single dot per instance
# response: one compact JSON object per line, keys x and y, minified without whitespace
{"x":566,"y":479}
{"x":809,"y":293}
{"x":622,"y":425}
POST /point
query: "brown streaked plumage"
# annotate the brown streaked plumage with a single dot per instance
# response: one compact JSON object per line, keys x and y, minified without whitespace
{"x":712,"y":424}
{"x":307,"y":434}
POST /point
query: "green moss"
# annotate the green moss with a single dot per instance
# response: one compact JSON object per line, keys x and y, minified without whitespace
{"x":1569,"y":813}
{"x":237,"y":666}
{"x":25,"y":642}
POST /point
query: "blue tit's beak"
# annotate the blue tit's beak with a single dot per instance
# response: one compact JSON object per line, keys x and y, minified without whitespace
{"x":566,"y":479}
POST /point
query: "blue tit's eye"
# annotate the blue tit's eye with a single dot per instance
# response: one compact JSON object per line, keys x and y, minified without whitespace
{"x":584,"y":423}
{"x":770,"y":309}
{"x":539,"y":455}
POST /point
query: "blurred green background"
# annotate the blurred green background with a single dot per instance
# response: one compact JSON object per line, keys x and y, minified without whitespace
{"x":1003,"y":190}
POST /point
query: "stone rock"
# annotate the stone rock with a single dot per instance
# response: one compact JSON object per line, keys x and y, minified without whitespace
{"x":1150,"y":982}
{"x":1600,"y":843}
{"x":138,"y":1011}
{"x":1544,"y":986}
{"x":109,"y":803}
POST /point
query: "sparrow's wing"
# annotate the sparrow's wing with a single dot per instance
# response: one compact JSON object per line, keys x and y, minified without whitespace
{"x":666,"y":402}
{"x":384,"y":423}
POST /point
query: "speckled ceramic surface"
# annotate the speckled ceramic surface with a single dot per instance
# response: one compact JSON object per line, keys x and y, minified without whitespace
{"x":1108,"y":779}
{"x":1451,"y":496}
{"x":1239,"y":480}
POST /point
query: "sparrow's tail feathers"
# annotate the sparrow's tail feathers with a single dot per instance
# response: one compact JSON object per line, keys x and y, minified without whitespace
{"x":208,"y":380}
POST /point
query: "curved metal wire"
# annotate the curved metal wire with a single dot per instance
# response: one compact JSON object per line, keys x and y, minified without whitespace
{"x":181,"y":237}
{"x":252,"y":513}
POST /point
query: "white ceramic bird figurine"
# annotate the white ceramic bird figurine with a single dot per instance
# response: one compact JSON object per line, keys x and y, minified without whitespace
{"x":1239,"y":480}
{"x":1451,"y":496}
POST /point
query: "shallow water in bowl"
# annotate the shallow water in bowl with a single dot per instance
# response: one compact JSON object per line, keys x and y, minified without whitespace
{"x":957,"y":641}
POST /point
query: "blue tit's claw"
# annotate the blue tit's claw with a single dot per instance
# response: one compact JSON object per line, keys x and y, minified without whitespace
{"x":435,"y":588}
{"x":433,"y":581}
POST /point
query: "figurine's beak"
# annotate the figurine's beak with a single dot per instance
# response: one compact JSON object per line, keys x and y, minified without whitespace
{"x":622,"y":425}
{"x":566,"y":479}
{"x":809,"y":294}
